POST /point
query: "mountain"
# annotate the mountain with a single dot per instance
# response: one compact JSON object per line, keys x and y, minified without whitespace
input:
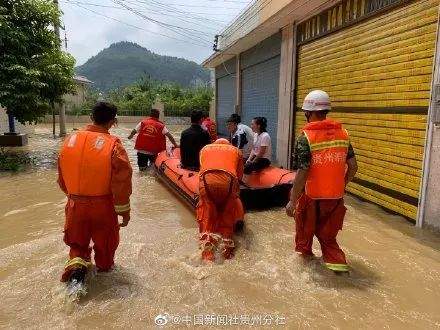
{"x":125,"y":62}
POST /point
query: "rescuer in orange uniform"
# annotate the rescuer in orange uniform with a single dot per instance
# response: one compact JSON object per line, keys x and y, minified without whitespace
{"x":220,"y":211}
{"x":151,"y":139}
{"x":325,"y":163}
{"x":210,"y":126}
{"x":95,"y":174}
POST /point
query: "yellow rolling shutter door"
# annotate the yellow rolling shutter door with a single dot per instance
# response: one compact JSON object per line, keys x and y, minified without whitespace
{"x":378,"y":75}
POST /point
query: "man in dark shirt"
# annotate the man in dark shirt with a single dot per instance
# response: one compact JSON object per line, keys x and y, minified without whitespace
{"x":192,"y":141}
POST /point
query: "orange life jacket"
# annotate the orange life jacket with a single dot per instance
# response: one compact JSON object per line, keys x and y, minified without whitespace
{"x":329,"y":144}
{"x":150,"y":137}
{"x":85,"y":163}
{"x":211,"y":127}
{"x":224,"y":157}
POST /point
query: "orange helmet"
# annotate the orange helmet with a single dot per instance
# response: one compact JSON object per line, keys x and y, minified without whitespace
{"x":222,"y":141}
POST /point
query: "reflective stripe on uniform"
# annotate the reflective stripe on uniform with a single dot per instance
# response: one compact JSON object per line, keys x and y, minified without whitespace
{"x":337,"y":267}
{"x":122,"y":208}
{"x":329,"y":144}
{"x":77,"y":261}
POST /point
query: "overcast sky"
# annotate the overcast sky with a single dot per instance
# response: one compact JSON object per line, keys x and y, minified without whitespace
{"x":195,"y":22}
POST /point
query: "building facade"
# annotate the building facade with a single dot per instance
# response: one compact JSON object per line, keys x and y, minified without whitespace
{"x":77,"y":99}
{"x":375,"y":58}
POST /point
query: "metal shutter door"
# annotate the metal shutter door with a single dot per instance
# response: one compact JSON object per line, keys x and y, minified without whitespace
{"x":378,"y":75}
{"x":226,"y":96}
{"x":260,"y":95}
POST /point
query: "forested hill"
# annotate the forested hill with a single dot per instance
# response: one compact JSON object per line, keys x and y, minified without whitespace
{"x":125,"y":62}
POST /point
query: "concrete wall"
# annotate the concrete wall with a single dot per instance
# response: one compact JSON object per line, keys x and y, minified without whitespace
{"x":429,"y":206}
{"x":254,"y":16}
{"x":285,"y":98}
{"x":19,"y":128}
{"x":432,"y":204}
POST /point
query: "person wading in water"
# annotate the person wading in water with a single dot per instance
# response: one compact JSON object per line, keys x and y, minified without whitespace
{"x":95,"y":174}
{"x":325,"y":163}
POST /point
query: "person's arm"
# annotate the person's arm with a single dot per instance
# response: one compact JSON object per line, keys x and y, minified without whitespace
{"x":297,"y":190}
{"x":135,"y":131}
{"x":60,"y":180}
{"x":172,"y":140}
{"x":302,"y":157}
{"x":352,"y":169}
{"x":121,"y":182}
{"x":251,"y":157}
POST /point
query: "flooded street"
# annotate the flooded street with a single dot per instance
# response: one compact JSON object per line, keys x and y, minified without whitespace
{"x":394,"y":282}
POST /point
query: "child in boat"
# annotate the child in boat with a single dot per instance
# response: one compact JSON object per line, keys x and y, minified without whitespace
{"x":260,"y":156}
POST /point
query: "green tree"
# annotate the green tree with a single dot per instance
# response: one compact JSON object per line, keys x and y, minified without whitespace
{"x":34,"y":72}
{"x":138,"y":98}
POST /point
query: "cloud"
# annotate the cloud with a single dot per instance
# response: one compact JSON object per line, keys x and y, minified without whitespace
{"x":88,"y":32}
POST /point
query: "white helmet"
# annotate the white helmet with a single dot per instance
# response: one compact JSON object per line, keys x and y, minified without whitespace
{"x":316,"y":100}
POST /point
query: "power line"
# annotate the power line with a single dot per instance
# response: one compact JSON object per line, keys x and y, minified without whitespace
{"x":291,"y":11}
{"x":171,"y":27}
{"x":198,"y":6}
{"x":231,"y":1}
{"x":262,"y":6}
{"x":90,"y":4}
{"x":169,"y":8}
{"x":140,"y":28}
{"x":203,"y":24}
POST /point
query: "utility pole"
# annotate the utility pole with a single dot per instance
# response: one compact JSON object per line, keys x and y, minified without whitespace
{"x":62,"y":115}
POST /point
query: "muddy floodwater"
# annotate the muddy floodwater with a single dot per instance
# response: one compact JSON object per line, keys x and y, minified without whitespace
{"x":394,"y":282}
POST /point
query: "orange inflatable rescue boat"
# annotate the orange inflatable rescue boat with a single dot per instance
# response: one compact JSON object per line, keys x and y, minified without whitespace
{"x":267,"y":188}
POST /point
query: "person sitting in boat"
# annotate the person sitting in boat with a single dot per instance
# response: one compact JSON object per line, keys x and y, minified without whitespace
{"x":220,"y":210}
{"x":95,"y":173}
{"x":209,"y":125}
{"x":241,"y":136}
{"x":260,"y":156}
{"x":192,"y":140}
{"x":151,"y":139}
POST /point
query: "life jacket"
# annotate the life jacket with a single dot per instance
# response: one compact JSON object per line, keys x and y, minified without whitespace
{"x":211,"y":127}
{"x":223,"y":157}
{"x":85,"y":163}
{"x":329,"y":144}
{"x":150,"y":137}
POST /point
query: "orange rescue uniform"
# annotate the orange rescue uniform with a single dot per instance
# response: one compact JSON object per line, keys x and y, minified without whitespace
{"x":219,"y":207}
{"x":95,"y":173}
{"x":320,"y":210}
